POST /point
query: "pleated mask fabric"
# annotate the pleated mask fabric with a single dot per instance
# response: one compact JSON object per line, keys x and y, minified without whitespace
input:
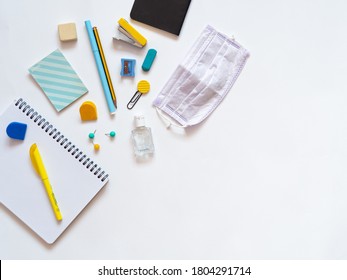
{"x":203,"y":79}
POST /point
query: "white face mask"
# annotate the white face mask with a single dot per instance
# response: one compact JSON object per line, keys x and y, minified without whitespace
{"x":204,"y":78}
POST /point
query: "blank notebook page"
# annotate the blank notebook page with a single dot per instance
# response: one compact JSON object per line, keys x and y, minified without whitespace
{"x":74,"y":176}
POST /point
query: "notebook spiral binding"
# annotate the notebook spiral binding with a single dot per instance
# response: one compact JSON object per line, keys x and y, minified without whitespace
{"x":61,"y":139}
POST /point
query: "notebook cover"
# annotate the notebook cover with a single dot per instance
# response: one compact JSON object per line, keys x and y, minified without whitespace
{"x":74,"y":181}
{"x":167,"y":15}
{"x":58,"y":80}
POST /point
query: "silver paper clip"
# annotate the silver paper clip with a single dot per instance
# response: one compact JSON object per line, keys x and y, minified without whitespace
{"x":143,"y":87}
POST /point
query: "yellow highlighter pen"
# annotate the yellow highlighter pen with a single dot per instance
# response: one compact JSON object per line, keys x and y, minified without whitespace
{"x":41,"y":170}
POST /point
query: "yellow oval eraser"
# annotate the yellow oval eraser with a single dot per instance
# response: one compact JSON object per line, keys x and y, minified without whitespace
{"x":88,"y":111}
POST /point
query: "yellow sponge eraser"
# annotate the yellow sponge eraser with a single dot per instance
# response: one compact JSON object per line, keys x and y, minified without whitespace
{"x":88,"y":111}
{"x":67,"y":32}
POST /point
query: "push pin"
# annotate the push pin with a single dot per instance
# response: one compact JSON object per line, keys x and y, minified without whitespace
{"x":143,"y":87}
{"x":112,"y":134}
{"x":92,"y":136}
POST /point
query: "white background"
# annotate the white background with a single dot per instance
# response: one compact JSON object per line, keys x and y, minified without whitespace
{"x":262,"y":178}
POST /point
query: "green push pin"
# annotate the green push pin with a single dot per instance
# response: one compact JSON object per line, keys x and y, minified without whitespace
{"x":111,"y":134}
{"x":92,"y":135}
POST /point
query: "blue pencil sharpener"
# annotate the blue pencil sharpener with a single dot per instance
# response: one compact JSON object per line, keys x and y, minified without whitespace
{"x":128,"y":67}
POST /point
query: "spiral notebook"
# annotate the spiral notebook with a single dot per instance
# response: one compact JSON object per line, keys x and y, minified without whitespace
{"x":74,"y":176}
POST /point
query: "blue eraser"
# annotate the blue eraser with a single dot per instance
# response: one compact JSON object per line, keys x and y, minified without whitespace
{"x":147,"y":63}
{"x":16,"y":130}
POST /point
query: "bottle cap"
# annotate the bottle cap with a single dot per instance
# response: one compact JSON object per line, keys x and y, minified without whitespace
{"x":139,"y":120}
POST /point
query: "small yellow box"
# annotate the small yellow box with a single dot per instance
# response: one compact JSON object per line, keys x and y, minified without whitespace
{"x":67,"y":32}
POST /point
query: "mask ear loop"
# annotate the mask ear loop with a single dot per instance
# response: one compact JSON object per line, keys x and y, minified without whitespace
{"x":167,"y":120}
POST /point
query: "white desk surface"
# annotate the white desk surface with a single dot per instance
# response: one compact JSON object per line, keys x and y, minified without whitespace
{"x":263,"y":178}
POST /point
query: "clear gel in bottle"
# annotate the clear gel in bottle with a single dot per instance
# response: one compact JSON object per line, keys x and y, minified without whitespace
{"x":142,"y":138}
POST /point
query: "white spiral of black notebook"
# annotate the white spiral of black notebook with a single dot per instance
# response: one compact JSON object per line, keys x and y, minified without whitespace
{"x":75,"y":177}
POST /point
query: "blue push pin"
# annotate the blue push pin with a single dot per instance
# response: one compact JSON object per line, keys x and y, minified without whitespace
{"x":16,"y":130}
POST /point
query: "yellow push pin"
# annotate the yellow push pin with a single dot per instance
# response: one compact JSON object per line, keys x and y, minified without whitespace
{"x":96,"y":147}
{"x":91,"y":137}
{"x":143,"y":87}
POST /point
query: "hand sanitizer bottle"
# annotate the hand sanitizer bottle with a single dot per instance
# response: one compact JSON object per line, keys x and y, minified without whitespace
{"x":142,"y":138}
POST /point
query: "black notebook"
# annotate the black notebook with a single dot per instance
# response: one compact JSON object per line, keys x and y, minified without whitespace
{"x":167,"y":15}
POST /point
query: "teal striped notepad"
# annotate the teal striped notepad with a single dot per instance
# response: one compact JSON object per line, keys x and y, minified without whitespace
{"x":58,"y":80}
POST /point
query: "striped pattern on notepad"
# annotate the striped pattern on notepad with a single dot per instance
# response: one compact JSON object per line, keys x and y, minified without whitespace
{"x":58,"y":80}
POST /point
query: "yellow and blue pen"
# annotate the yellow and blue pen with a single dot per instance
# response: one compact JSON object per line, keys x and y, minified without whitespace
{"x":41,"y":170}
